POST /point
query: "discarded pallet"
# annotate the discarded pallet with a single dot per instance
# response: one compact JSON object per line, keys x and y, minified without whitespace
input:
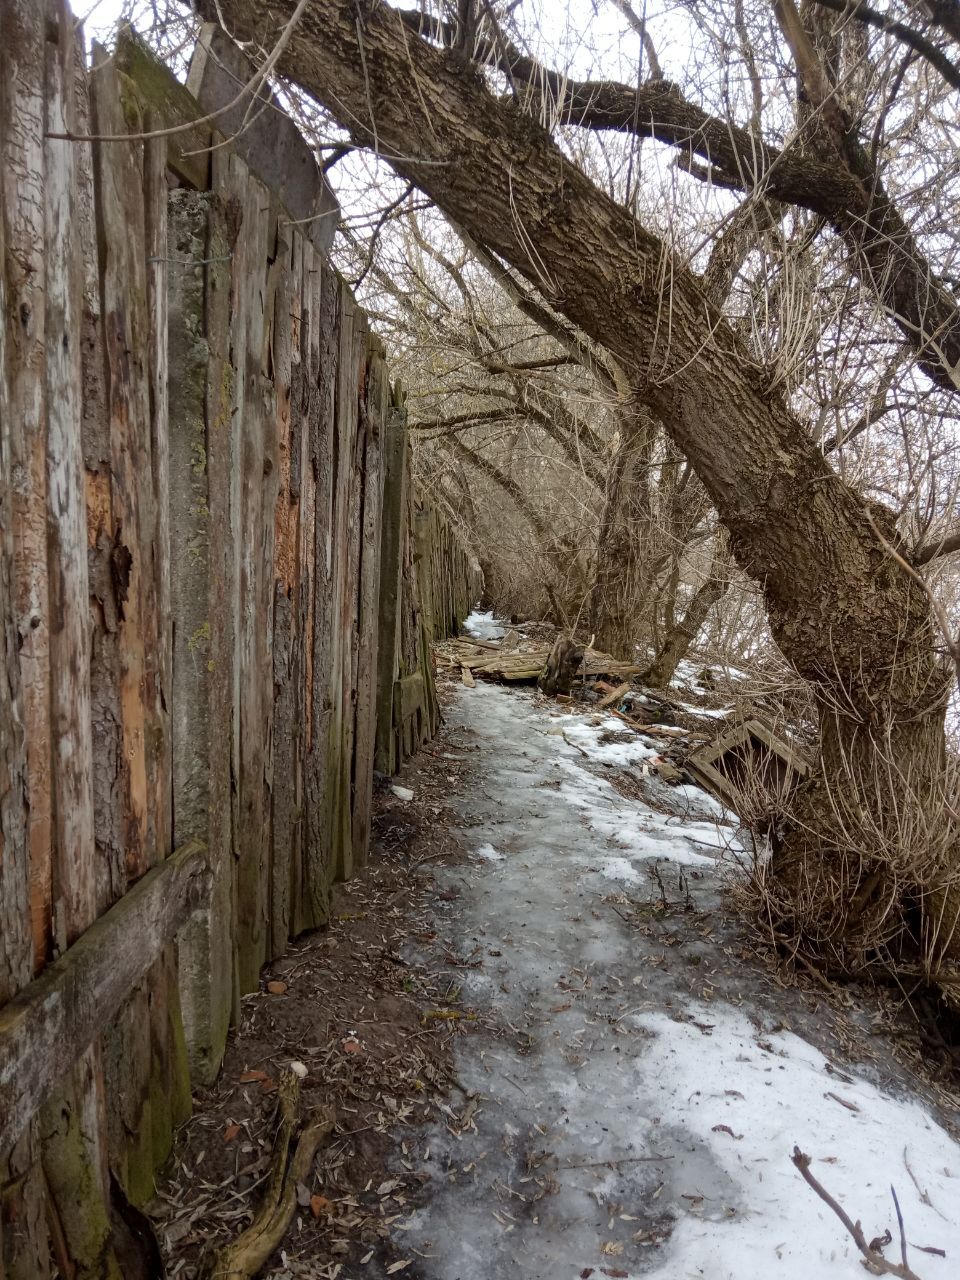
{"x":746,"y":755}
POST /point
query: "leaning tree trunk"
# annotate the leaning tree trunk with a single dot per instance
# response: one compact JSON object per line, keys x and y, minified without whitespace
{"x":846,"y":615}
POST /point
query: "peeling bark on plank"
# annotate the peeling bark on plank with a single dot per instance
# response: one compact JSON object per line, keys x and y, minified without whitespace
{"x":158,"y":282}
{"x":120,"y":232}
{"x":145,"y":1073}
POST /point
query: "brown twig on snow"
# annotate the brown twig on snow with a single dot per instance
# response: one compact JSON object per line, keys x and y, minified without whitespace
{"x":875,"y":1262}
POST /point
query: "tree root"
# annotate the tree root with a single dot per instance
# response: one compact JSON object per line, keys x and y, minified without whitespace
{"x":244,"y":1257}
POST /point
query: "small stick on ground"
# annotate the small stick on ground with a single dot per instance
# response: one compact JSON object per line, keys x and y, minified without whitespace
{"x":875,"y":1262}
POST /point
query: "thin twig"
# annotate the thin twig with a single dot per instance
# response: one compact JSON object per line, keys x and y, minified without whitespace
{"x":875,"y":1262}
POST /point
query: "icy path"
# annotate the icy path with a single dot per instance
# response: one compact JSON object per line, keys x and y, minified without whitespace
{"x":626,"y":1119}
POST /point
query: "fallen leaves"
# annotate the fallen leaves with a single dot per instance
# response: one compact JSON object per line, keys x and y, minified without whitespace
{"x":230,"y":1132}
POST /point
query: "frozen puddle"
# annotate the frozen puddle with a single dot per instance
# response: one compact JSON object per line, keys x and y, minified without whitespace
{"x":624,"y":1118}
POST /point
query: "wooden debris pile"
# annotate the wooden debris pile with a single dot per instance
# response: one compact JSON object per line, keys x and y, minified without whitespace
{"x":489,"y":660}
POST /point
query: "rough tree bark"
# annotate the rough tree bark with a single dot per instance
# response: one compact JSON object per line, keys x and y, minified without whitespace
{"x":845,"y":614}
{"x":621,"y":576}
{"x":562,"y":666}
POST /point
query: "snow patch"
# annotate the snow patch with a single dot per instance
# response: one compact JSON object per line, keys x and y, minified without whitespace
{"x":483,"y":626}
{"x":665,"y":1143}
{"x":619,"y":869}
{"x":750,"y":1098}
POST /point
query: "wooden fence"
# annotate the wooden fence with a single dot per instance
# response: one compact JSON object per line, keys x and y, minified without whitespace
{"x":217,"y":591}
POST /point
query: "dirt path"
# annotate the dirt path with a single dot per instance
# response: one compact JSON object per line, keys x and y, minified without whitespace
{"x":631,"y":1092}
{"x":553,"y":1050}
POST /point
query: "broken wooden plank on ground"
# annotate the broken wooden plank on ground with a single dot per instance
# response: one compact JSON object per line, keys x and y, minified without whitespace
{"x":614,"y":696}
{"x":521,"y":667}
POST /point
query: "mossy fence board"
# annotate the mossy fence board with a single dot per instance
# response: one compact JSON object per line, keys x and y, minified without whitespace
{"x":217,"y":592}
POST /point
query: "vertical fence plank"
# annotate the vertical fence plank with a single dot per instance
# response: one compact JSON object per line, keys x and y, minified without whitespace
{"x":189,"y":521}
{"x":342,"y":640}
{"x":285,"y":596}
{"x":146,"y":1074}
{"x":22,"y":84}
{"x":394,"y":511}
{"x":158,"y":268}
{"x":23,"y":1236}
{"x":25,"y":844}
{"x":203,"y":586}
{"x":74,"y":1147}
{"x":247,"y":341}
{"x":300,"y":486}
{"x":321,"y":784}
{"x":373,"y":423}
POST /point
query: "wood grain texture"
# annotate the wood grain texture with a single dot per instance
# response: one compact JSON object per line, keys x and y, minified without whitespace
{"x":373,"y":429}
{"x":53,"y":1019}
{"x":192,"y":480}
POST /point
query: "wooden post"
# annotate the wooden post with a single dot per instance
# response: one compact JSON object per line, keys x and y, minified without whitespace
{"x":394,"y":508}
{"x":373,"y":421}
{"x":24,"y":1254}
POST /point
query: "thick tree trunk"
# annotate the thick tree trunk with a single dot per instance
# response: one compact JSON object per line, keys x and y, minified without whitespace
{"x":846,"y":615}
{"x":867,"y":868}
{"x":621,"y":578}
